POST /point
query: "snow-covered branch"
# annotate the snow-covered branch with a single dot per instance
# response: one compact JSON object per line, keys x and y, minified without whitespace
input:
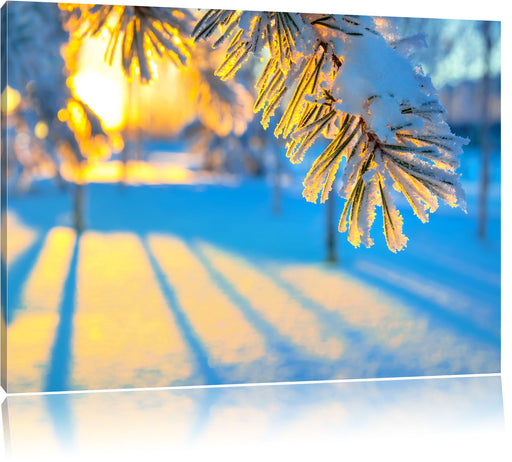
{"x":136,"y":32}
{"x":337,"y":78}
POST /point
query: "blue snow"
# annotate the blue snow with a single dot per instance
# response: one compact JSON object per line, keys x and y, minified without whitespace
{"x":445,"y":277}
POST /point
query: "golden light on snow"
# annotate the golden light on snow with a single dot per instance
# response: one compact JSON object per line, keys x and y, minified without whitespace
{"x":32,"y":333}
{"x":275,"y":304}
{"x":229,"y":337}
{"x":134,"y":172}
{"x":123,"y":337}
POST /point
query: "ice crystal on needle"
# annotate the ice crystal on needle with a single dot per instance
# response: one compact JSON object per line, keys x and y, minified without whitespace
{"x":344,"y":82}
{"x":333,"y":77}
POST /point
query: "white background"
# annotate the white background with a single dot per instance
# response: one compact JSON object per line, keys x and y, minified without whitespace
{"x":447,"y":447}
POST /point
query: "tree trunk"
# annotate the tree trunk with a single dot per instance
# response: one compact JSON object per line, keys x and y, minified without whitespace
{"x":276,"y":193}
{"x":78,"y":200}
{"x":331,"y":229}
{"x":124,"y":166}
{"x":138,"y":131}
{"x":485,"y":146}
{"x":129,"y":135}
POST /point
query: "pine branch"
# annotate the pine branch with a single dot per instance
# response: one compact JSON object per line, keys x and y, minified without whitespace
{"x":387,"y":138}
{"x":137,"y":33}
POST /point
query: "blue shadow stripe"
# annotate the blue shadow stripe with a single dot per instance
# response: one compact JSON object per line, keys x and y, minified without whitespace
{"x":289,"y":354}
{"x":18,"y":273}
{"x":60,"y":356}
{"x":199,"y":351}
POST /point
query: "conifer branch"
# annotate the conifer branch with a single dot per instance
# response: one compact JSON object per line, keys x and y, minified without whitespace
{"x":137,"y":33}
{"x":388,"y":138}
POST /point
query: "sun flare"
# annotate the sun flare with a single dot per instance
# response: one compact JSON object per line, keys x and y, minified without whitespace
{"x":103,"y":93}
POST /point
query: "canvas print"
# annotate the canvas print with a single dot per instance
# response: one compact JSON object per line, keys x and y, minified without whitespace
{"x":198,"y":197}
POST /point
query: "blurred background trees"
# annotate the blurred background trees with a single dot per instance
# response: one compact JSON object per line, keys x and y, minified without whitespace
{"x":108,"y":84}
{"x":464,"y":60}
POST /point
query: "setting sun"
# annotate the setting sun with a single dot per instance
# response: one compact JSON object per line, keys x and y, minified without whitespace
{"x":103,"y":93}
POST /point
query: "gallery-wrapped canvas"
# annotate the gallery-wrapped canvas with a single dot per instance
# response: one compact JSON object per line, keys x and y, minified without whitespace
{"x":205,"y":197}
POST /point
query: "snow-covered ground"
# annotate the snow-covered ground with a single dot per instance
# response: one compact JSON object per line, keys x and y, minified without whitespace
{"x":201,"y":283}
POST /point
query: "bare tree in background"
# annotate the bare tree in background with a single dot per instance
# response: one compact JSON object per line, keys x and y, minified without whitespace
{"x":485,"y":141}
{"x":331,"y":229}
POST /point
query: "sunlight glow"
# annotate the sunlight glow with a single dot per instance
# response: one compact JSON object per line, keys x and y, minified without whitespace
{"x":93,"y":147}
{"x":275,"y":304}
{"x":41,"y":130}
{"x":160,"y":108}
{"x":31,"y":334}
{"x":152,"y":65}
{"x":103,"y":94}
{"x":125,"y":334}
{"x":136,"y":172}
{"x":218,"y":322}
{"x":63,"y":115}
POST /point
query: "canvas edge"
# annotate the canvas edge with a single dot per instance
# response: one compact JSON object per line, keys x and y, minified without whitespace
{"x":3,"y":203}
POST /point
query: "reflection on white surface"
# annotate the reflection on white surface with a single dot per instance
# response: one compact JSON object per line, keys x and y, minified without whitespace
{"x":436,"y":419}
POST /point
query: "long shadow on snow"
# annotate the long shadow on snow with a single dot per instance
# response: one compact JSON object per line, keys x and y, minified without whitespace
{"x":17,"y":274}
{"x":289,"y":354}
{"x":33,"y":212}
{"x":243,"y":223}
{"x":199,"y":351}
{"x":61,"y":355}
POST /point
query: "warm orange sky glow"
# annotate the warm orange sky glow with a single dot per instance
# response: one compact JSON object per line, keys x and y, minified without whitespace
{"x":101,"y":87}
{"x":134,"y":173}
{"x":103,"y":93}
{"x":161,"y":107}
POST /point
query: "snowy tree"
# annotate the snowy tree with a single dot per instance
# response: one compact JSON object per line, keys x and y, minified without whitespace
{"x":338,"y":78}
{"x":454,"y":51}
{"x":140,"y":36}
{"x":41,"y":97}
{"x":485,"y":142}
{"x":37,"y":69}
{"x":226,"y":133}
{"x":136,"y":32}
{"x":334,"y":78}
